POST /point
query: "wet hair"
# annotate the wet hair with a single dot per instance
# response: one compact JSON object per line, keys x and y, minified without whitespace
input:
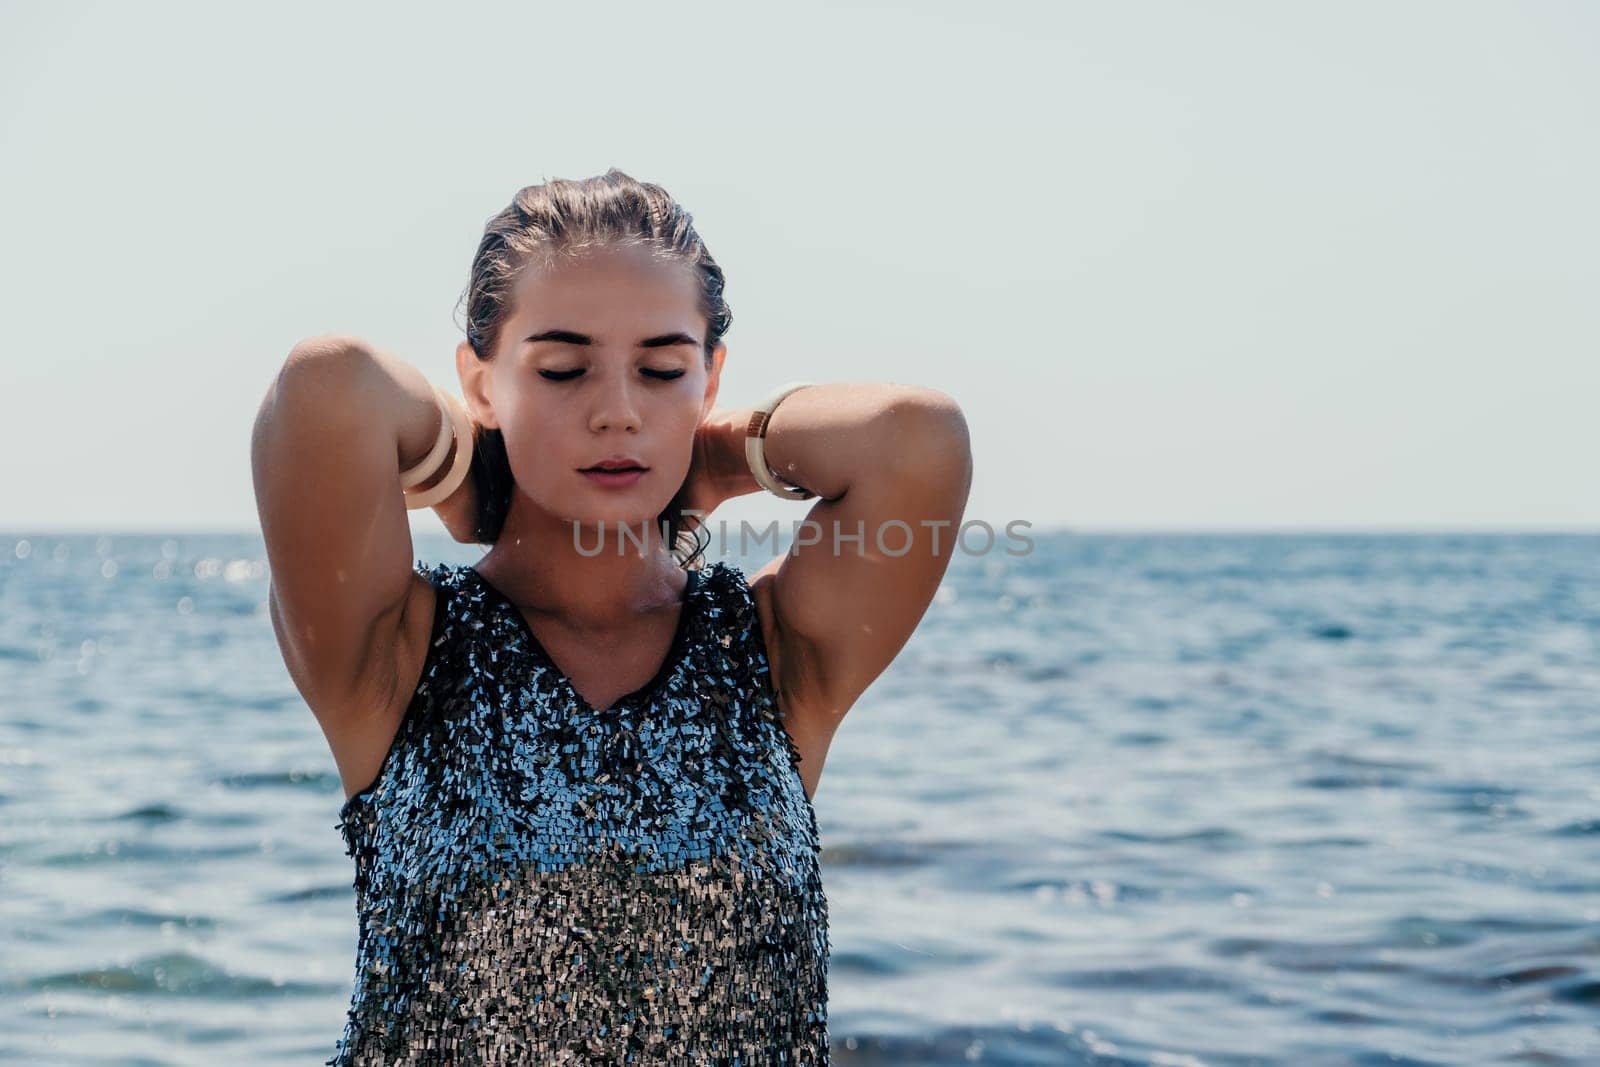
{"x":564,"y":218}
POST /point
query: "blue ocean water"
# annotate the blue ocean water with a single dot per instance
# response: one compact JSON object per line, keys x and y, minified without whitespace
{"x":1173,"y":800}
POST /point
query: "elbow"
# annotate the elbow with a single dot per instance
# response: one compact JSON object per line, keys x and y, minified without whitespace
{"x":314,"y":376}
{"x":929,"y":436}
{"x":324,"y":351}
{"x":919,"y":410}
{"x":317,"y":365}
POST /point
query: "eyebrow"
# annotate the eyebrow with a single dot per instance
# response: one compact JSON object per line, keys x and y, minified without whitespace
{"x":572,"y":337}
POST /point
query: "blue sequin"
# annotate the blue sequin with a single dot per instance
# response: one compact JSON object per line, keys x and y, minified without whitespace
{"x":542,"y":882}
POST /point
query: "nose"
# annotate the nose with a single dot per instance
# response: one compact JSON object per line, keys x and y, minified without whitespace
{"x":614,"y":408}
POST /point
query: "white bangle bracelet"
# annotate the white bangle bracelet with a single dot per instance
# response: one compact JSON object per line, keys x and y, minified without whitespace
{"x":430,"y":463}
{"x":462,"y":425}
{"x":755,"y":438}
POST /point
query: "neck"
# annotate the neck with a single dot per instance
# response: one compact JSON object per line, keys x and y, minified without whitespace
{"x":599,"y":577}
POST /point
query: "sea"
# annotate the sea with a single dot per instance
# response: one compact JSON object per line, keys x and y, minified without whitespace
{"x":1210,"y":799}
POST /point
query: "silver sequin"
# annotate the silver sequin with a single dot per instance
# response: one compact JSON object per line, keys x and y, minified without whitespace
{"x":541,"y":882}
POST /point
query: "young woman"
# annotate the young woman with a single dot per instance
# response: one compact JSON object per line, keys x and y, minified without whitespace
{"x":579,"y":772}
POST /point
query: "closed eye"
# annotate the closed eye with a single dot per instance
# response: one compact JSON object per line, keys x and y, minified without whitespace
{"x":568,"y":375}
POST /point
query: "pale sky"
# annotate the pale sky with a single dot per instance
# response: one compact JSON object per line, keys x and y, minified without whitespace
{"x":1184,"y":265}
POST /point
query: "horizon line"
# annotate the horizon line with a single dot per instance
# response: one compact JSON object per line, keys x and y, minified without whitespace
{"x":1090,"y":529}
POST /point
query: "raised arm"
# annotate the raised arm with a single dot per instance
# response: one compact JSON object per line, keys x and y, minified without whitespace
{"x":339,"y":422}
{"x":888,"y":461}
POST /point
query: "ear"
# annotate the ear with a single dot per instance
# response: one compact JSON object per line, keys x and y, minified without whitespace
{"x":713,"y":379}
{"x":474,"y":375}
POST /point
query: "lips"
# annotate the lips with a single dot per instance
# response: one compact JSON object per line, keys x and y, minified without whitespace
{"x":615,"y":475}
{"x":616,"y":463}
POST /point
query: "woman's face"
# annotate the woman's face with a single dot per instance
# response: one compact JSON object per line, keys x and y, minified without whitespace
{"x":602,"y":355}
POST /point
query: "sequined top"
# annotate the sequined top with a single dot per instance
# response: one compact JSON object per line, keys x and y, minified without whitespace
{"x":539,"y":882}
